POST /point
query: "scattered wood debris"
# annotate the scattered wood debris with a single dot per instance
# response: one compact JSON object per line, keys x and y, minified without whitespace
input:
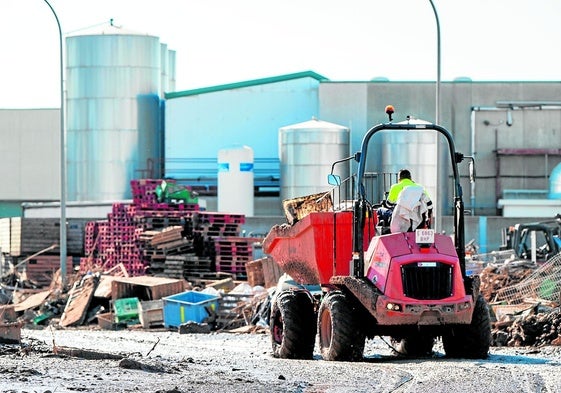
{"x":496,"y":277}
{"x":534,"y":327}
{"x":297,"y":208}
{"x":79,"y":300}
{"x":132,"y":364}
{"x":85,"y":354}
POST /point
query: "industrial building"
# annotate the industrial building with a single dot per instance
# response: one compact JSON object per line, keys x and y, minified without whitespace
{"x":126,"y":121}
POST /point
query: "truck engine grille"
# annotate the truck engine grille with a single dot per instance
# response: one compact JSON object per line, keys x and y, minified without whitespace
{"x":427,"y":280}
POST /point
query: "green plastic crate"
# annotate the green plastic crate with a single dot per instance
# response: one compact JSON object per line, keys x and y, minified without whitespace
{"x":126,"y":309}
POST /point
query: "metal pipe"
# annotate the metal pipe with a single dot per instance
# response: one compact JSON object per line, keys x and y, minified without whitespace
{"x":527,"y":104}
{"x":62,"y":160}
{"x":533,"y":246}
{"x":472,"y":141}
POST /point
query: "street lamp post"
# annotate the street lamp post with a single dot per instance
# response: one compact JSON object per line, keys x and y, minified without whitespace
{"x":440,"y":175}
{"x":62,"y":160}
{"x":437,"y":62}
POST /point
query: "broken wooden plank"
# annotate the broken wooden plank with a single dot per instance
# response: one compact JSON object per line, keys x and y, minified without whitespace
{"x":79,"y":300}
{"x":33,"y":301}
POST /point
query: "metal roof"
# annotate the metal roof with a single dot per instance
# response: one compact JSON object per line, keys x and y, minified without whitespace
{"x":240,"y":85}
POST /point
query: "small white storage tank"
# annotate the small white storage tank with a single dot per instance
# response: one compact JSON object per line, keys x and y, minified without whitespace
{"x":235,"y":180}
{"x":306,"y":152}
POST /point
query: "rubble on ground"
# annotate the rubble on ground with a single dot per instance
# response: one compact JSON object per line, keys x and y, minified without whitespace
{"x":534,"y":327}
{"x":495,"y":277}
{"x":93,"y":299}
{"x":136,"y":261}
{"x":525,"y":301}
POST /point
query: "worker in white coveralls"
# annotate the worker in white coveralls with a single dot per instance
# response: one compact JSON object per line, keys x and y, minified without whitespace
{"x":408,"y":204}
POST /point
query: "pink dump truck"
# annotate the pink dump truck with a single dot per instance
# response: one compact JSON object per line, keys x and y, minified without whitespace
{"x":352,"y":280}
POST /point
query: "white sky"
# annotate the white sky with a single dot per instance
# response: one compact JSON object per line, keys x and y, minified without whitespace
{"x":226,"y":41}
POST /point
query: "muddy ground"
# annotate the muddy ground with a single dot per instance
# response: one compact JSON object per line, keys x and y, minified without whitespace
{"x":166,"y":361}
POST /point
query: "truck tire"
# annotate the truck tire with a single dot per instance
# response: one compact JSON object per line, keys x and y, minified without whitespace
{"x":292,"y":325}
{"x":416,"y":345}
{"x":471,"y":341}
{"x":340,"y":333}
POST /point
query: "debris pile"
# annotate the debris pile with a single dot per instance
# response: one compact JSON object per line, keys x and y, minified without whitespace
{"x":533,"y":327}
{"x":113,"y":300}
{"x":527,"y":310}
{"x":160,"y":246}
{"x":496,"y":277}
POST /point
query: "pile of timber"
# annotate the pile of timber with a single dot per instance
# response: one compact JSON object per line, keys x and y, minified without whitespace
{"x":159,"y":245}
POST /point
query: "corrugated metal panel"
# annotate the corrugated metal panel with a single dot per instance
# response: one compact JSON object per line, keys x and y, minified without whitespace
{"x":30,"y":151}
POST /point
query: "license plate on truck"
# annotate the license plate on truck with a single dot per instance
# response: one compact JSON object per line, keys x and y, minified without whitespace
{"x":424,"y":236}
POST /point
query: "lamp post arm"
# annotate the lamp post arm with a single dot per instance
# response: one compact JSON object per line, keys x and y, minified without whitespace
{"x":63,"y":251}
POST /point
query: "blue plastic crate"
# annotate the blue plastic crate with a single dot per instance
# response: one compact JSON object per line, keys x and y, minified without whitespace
{"x":187,"y":306}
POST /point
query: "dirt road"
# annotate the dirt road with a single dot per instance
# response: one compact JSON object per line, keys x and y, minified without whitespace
{"x":165,"y":361}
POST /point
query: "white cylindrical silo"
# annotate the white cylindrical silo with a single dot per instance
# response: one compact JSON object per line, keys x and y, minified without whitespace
{"x":235,"y":180}
{"x":555,"y":183}
{"x":416,"y":151}
{"x":306,"y":152}
{"x":113,"y":112}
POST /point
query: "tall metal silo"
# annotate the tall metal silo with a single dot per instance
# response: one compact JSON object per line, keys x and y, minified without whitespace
{"x":416,"y":151}
{"x":167,"y":69}
{"x":113,"y":112}
{"x":306,"y":151}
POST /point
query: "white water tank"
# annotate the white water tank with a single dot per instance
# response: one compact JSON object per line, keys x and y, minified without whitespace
{"x":235,"y":180}
{"x":306,"y":151}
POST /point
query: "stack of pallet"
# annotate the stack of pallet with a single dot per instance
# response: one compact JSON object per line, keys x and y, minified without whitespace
{"x":158,"y":245}
{"x":232,"y":254}
{"x":188,"y":265}
{"x":174,"y":240}
{"x":112,"y":242}
{"x":116,"y":240}
{"x":206,"y":228}
{"x":212,"y":225}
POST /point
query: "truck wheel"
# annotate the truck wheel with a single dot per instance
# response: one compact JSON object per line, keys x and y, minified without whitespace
{"x":471,"y":341}
{"x":340,"y":334}
{"x":292,"y":325}
{"x":416,"y":345}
